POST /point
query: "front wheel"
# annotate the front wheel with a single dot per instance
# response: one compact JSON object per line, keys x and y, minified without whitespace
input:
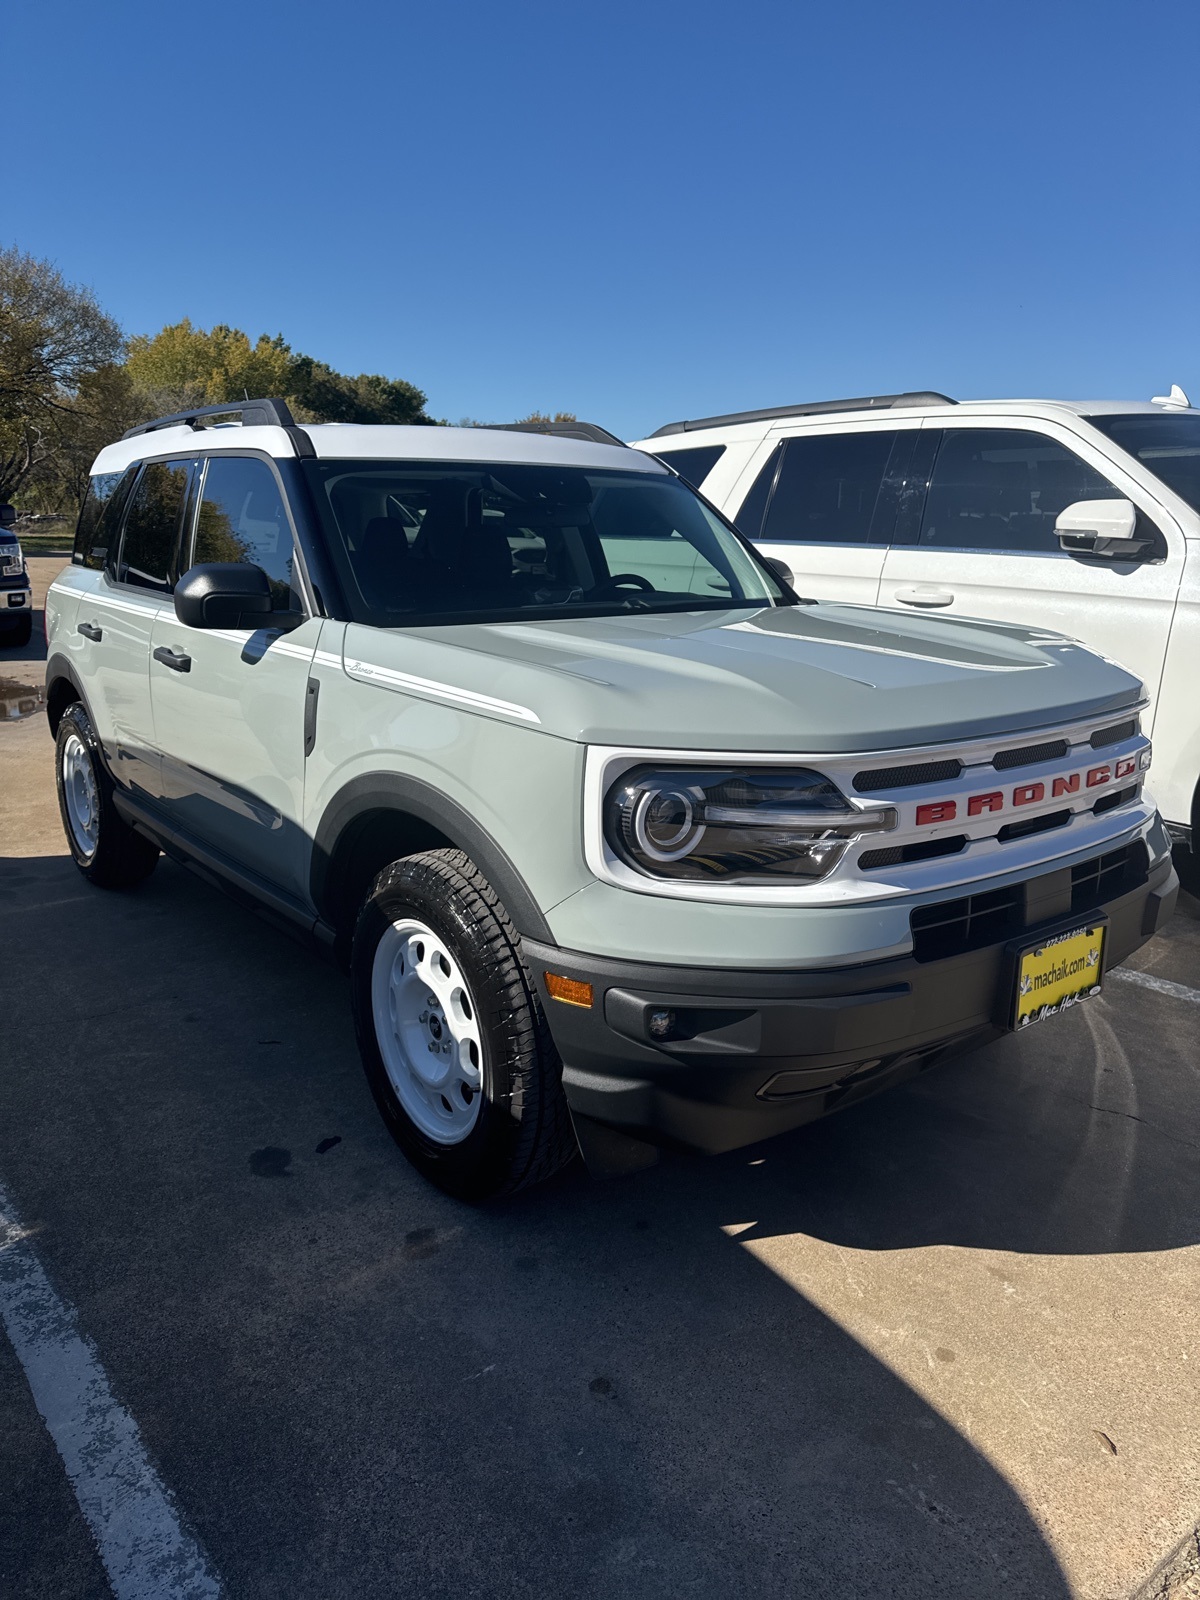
{"x":451,"y":1032}
{"x":103,"y":846}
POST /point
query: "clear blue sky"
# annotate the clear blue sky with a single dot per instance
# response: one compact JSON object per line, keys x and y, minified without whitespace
{"x":634,"y":212}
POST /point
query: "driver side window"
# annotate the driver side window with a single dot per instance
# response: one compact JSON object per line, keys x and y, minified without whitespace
{"x":242,"y":517}
{"x":1002,"y":488}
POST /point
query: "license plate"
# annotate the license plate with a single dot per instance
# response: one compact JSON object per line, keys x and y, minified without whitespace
{"x":1054,"y":976}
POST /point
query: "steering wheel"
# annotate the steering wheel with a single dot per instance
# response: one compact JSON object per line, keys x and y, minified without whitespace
{"x":615,"y":582}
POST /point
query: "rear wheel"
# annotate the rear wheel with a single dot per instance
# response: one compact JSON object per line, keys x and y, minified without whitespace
{"x":452,"y":1034}
{"x":103,"y":846}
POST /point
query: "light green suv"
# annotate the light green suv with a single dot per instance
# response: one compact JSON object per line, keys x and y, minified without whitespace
{"x":623,"y":840}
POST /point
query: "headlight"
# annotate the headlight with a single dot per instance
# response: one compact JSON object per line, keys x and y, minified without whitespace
{"x":737,"y":825}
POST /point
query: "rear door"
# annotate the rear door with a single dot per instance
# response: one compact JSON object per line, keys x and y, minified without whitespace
{"x":229,"y":704}
{"x":114,"y":623}
{"x":825,"y":503}
{"x":981,"y":542}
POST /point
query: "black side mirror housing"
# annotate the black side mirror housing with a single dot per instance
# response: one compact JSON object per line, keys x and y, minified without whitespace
{"x":224,"y":594}
{"x":8,"y":516}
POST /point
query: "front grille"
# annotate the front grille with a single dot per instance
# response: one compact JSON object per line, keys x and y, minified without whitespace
{"x":1113,"y":735}
{"x":922,"y":850}
{"x":1118,"y":797}
{"x":968,"y":924}
{"x":1028,"y":754}
{"x":906,"y":777}
{"x":1095,"y":881}
{"x":1028,"y":825}
{"x":952,"y":926}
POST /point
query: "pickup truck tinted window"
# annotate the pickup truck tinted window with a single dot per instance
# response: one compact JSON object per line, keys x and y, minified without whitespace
{"x":420,"y":541}
{"x":828,"y":487}
{"x":242,"y":518}
{"x":1168,"y":446}
{"x":1002,"y":488}
{"x":150,"y":542}
{"x":100,"y":517}
{"x":695,"y":464}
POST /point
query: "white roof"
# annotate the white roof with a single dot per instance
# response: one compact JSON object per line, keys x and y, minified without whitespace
{"x":882,"y":415}
{"x":338,"y":441}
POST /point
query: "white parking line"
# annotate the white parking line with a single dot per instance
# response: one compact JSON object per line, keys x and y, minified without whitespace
{"x":146,"y":1553}
{"x":1177,"y":991}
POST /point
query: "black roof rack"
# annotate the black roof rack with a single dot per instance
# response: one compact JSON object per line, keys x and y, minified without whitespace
{"x":871,"y":402}
{"x":566,"y":430}
{"x":272,"y":413}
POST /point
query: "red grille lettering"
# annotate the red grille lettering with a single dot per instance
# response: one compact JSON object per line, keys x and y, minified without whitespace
{"x":1065,"y":786}
{"x":1098,"y":775}
{"x":985,"y":802}
{"x":1029,"y":794}
{"x":1125,"y":766}
{"x":937,"y":811}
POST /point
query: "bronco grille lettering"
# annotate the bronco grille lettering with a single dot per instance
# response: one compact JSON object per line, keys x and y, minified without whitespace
{"x":933,"y":812}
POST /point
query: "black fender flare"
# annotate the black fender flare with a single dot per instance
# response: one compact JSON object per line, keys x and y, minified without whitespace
{"x":387,"y":791}
{"x":58,"y":670}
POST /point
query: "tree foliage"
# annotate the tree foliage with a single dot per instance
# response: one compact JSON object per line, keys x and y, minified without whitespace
{"x":53,"y":335}
{"x":185,"y":366}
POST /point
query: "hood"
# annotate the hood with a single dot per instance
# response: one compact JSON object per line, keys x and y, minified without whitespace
{"x":821,"y":678}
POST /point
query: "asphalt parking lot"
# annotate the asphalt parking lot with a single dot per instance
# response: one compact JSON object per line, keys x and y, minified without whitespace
{"x":942,"y":1344}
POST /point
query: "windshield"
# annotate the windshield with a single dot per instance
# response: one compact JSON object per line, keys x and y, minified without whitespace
{"x":420,"y":541}
{"x":1168,"y":446}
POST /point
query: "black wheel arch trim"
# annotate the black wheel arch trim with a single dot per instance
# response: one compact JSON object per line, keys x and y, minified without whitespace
{"x":60,"y":670}
{"x":385,"y":791}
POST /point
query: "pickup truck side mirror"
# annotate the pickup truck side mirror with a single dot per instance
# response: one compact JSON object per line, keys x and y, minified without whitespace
{"x":1100,"y":528}
{"x":224,"y":594}
{"x":781,"y":570}
{"x":8,"y":516}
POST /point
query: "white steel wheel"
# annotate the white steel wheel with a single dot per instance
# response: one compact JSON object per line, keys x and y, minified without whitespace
{"x":427,"y":1029}
{"x":81,"y":795}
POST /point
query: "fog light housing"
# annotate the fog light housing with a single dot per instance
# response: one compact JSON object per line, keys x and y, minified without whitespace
{"x":660,"y":1024}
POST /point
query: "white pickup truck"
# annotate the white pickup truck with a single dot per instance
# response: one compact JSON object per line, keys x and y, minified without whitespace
{"x":1081,"y":517}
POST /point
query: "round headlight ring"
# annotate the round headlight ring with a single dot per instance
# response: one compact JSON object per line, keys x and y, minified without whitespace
{"x":677,"y":837}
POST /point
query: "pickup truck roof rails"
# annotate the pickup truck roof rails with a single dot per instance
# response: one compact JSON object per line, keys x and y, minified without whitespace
{"x":566,"y":430}
{"x":871,"y":402}
{"x":272,"y":413}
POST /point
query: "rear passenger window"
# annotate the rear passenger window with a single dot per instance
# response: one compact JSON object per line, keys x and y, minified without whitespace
{"x":100,"y":517}
{"x":150,"y":541}
{"x":1002,"y":488}
{"x":828,"y":488}
{"x":242,"y":518}
{"x":695,"y":464}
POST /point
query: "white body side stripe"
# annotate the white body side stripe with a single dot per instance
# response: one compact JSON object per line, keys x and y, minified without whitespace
{"x":407,"y":683}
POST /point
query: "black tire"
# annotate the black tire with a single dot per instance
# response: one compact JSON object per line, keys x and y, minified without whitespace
{"x":19,"y":635}
{"x":523,"y":1130}
{"x":119,"y":857}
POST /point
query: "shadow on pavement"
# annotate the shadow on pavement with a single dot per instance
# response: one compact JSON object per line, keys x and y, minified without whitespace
{"x":354,"y":1384}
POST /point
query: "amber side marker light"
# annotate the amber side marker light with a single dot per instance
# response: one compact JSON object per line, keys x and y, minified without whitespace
{"x":569,"y":990}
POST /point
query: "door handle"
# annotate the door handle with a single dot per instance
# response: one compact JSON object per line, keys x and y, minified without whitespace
{"x":924,"y":595}
{"x":176,"y":660}
{"x":89,"y":630}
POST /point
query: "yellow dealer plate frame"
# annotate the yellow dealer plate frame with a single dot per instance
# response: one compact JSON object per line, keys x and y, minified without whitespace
{"x":1059,"y":973}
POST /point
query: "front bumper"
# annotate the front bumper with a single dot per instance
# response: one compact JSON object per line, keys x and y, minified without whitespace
{"x":15,"y":596}
{"x":753,"y":1053}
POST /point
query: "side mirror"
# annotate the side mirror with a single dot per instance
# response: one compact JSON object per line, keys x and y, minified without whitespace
{"x":8,"y":516}
{"x":223,"y":594}
{"x":1099,"y":528}
{"x":781,"y":570}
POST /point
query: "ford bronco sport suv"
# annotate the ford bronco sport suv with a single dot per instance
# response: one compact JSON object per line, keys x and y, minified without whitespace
{"x":621,"y":839}
{"x":1080,"y":516}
